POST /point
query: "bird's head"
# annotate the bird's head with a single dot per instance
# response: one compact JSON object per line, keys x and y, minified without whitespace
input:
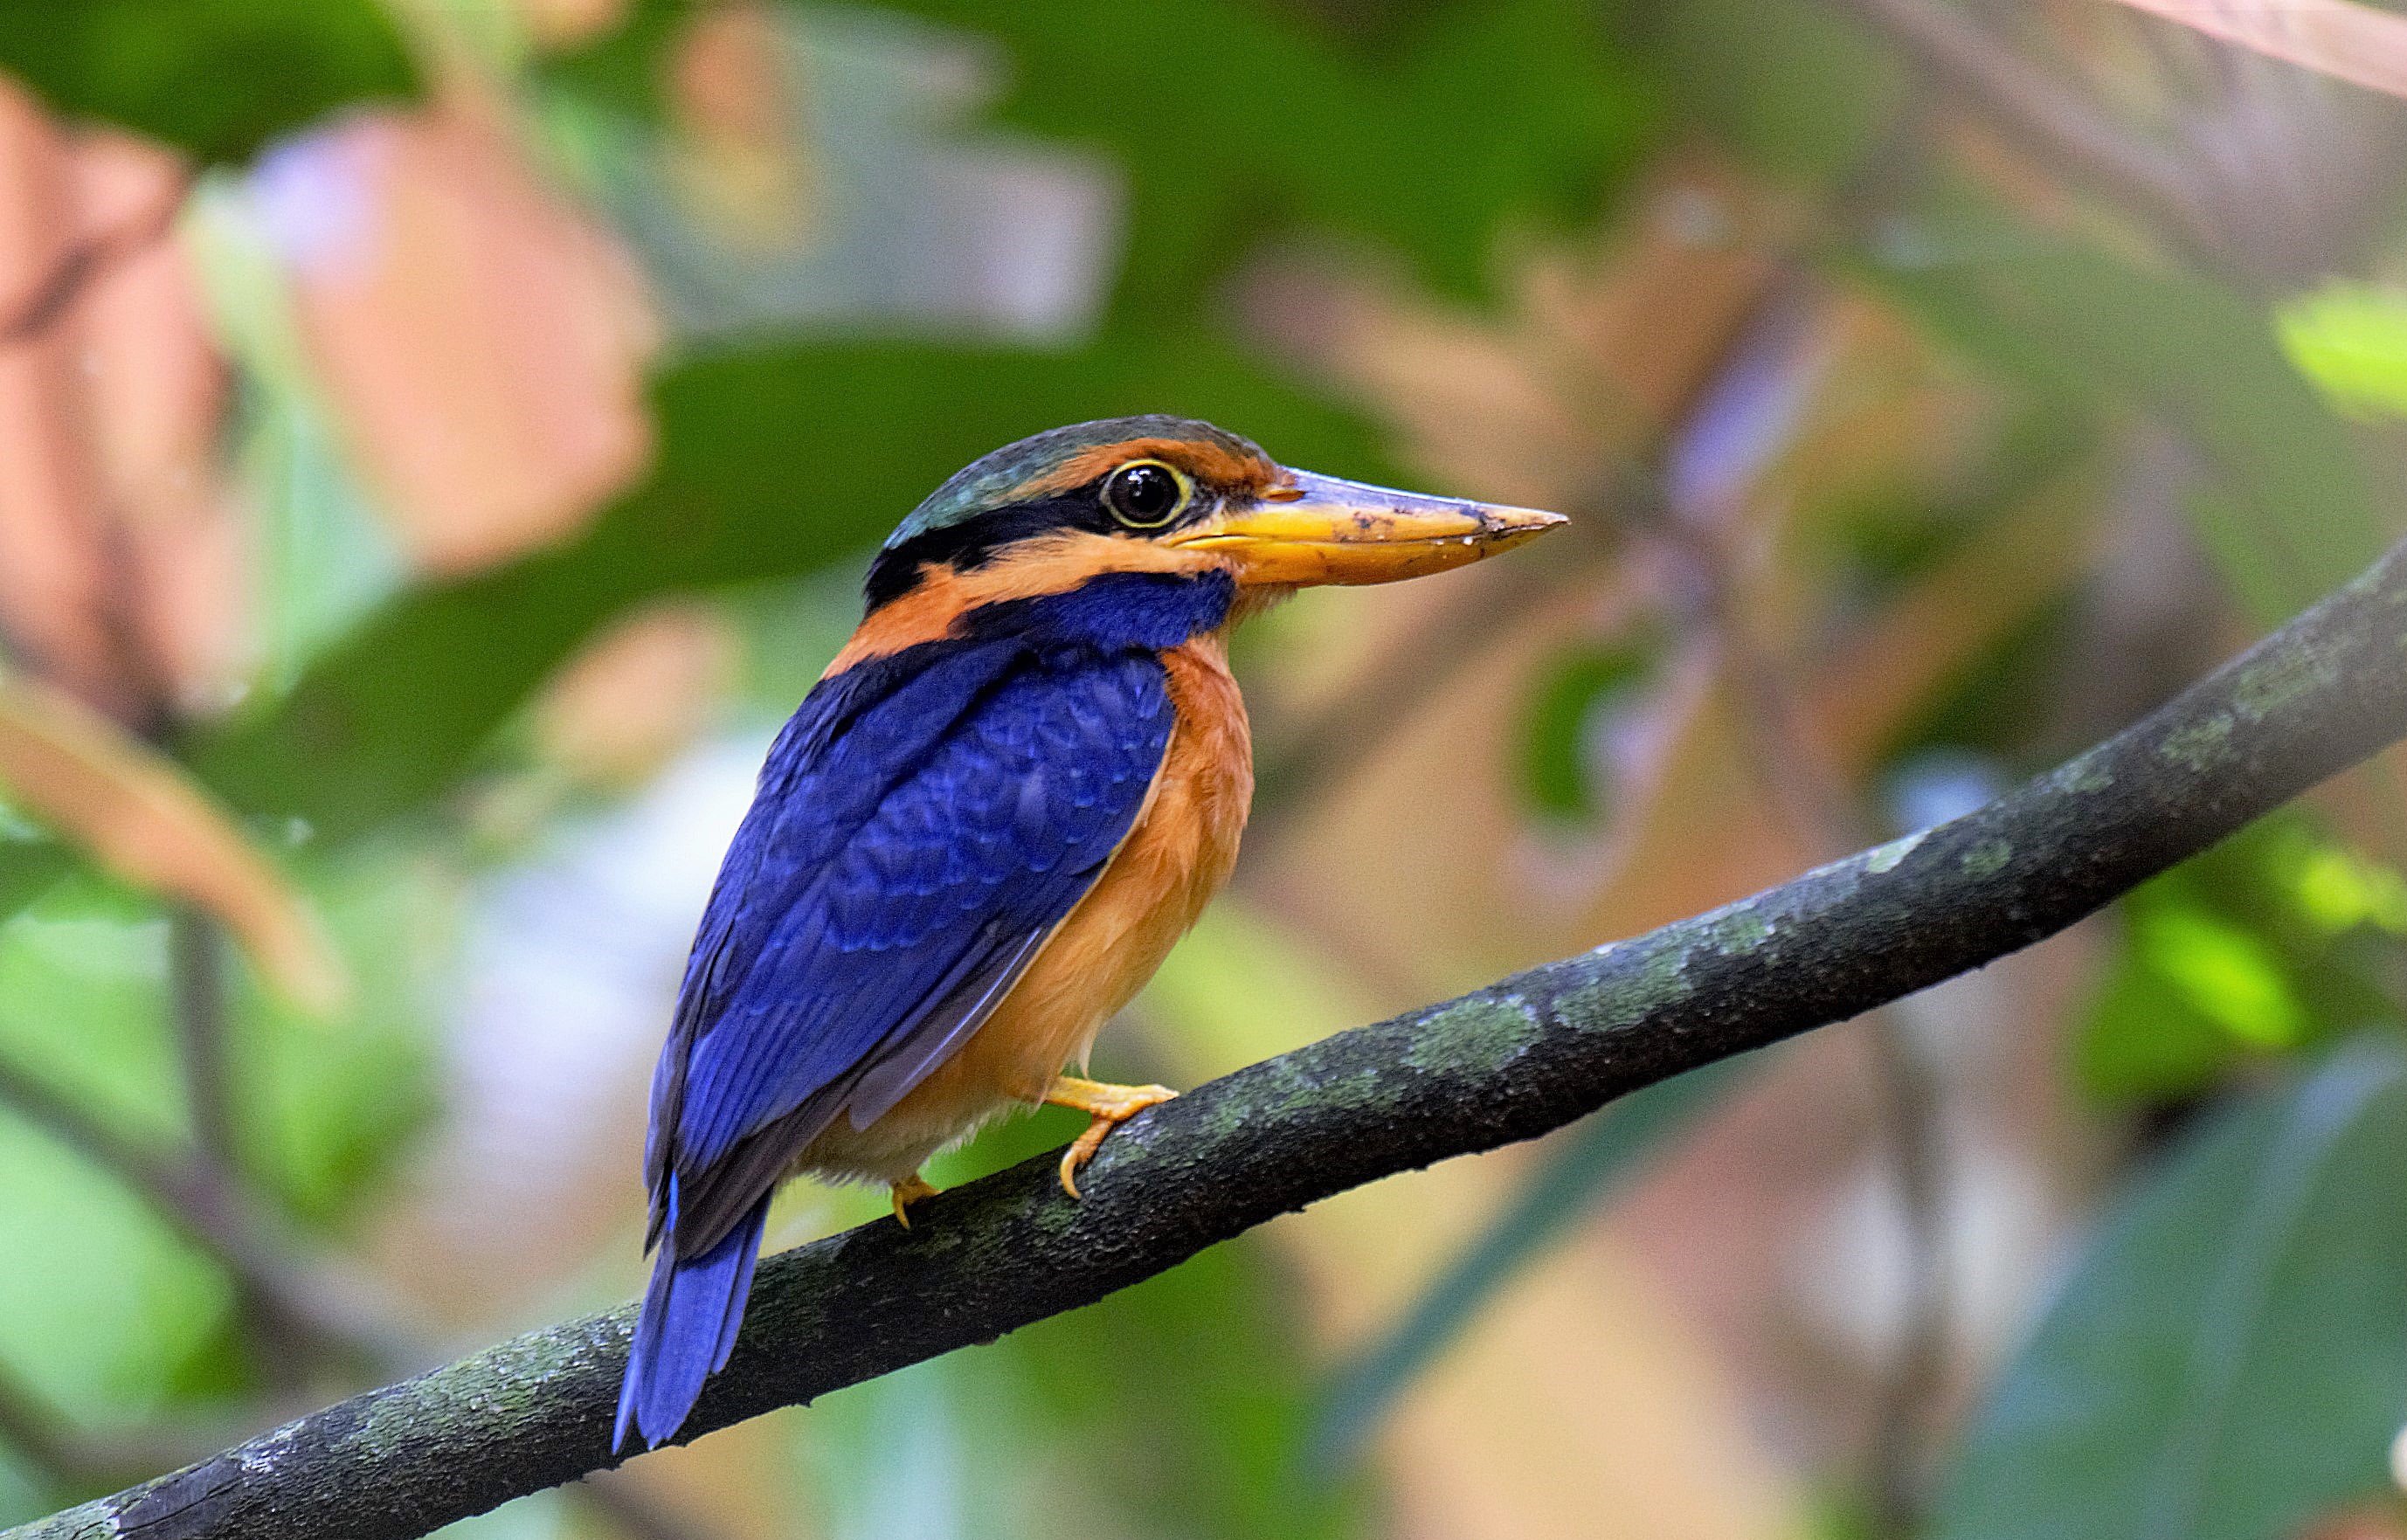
{"x":1174,"y":495}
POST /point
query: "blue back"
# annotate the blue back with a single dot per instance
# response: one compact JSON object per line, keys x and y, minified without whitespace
{"x":921,"y":825}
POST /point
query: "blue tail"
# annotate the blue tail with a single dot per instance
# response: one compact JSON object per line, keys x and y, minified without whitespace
{"x":687,"y":1330}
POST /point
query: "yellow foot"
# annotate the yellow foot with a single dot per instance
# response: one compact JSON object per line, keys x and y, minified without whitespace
{"x":909,"y":1192}
{"x":1109,"y":1106}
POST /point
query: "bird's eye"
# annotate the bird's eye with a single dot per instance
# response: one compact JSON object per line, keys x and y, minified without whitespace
{"x":1145,"y":493}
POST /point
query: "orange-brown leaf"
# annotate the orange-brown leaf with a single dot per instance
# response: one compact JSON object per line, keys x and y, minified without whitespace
{"x":2336,"y":38}
{"x":141,"y":817}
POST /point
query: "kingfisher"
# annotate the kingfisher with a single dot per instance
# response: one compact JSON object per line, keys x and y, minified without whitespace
{"x":1014,"y":787}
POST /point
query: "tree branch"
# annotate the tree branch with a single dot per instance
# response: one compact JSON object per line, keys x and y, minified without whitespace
{"x":1514,"y":1059}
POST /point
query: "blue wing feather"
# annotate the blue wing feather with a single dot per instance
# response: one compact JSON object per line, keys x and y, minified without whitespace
{"x":991,"y":840}
{"x":921,"y":825}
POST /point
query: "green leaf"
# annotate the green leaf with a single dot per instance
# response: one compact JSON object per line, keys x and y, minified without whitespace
{"x":2351,"y":341}
{"x":326,"y":1113}
{"x":2269,"y":942}
{"x":1237,"y":121}
{"x":2292,"y":514}
{"x":121,"y":1310}
{"x":2230,"y":1357}
{"x":774,"y":462}
{"x":216,"y":78}
{"x":28,"y":869}
{"x":1792,"y":86}
{"x":1576,"y":1174}
{"x":2142,"y":1038}
{"x":2231,"y":978}
{"x":1560,"y":770}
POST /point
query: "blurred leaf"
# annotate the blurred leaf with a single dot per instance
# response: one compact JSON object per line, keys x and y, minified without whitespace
{"x":2340,"y":890}
{"x":774,"y":463}
{"x":1576,"y":1174}
{"x":2143,"y":1038}
{"x":2230,"y":976}
{"x":1236,"y":121}
{"x":2351,"y":340}
{"x":108,"y":1312}
{"x":626,"y":68}
{"x":28,"y":869}
{"x":1218,"y":1450}
{"x":1897,"y":665}
{"x":216,"y":78}
{"x":327,"y":1114}
{"x":2358,"y":44}
{"x":2271,"y":941}
{"x":1184,"y":1398}
{"x":896,"y":1456}
{"x":2230,"y":1357}
{"x":2295,"y":517}
{"x":1792,"y":85}
{"x":139,"y":816}
{"x":1564,"y":769}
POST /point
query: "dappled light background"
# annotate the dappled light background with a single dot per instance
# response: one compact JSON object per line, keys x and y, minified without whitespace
{"x":440,"y":441}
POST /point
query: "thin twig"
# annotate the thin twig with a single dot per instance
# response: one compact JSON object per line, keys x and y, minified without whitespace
{"x":340,"y":1310}
{"x":331,"y":1303}
{"x":1966,"y":61}
{"x":196,"y":992}
{"x":1794,"y":768}
{"x":197,"y":998}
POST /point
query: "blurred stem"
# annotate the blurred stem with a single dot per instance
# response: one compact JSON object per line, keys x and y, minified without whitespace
{"x":89,"y":259}
{"x":1906,"y":1082}
{"x":1304,"y":761}
{"x":1793,"y":767}
{"x":320,"y":1303}
{"x":1964,"y":61}
{"x":196,"y":984}
{"x":303,"y":1309}
{"x":326,"y":1301}
{"x":196,"y":994}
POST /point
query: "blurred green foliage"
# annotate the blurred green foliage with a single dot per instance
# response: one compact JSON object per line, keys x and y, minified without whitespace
{"x":1572,"y":711}
{"x":219,"y":78}
{"x":1583,"y":1168}
{"x":2288,"y":511}
{"x":2224,"y":1361}
{"x":2267,"y":944}
{"x":2351,"y":340}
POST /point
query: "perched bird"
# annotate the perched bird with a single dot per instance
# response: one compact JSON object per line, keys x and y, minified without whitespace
{"x":1014,"y":787}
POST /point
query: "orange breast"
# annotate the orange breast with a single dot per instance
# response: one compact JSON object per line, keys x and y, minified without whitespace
{"x":1175,"y":857}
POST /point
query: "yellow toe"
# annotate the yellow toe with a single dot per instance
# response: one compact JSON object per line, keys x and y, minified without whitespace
{"x":1109,"y":1106}
{"x":913,"y":1189}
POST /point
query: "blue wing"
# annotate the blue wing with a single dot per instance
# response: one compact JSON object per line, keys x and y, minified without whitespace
{"x":917,"y":834}
{"x":921,"y":826}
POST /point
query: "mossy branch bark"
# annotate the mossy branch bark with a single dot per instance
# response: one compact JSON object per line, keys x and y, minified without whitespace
{"x":1517,"y":1058}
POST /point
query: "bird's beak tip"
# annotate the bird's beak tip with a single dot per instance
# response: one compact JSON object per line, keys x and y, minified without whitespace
{"x":1521,"y":524}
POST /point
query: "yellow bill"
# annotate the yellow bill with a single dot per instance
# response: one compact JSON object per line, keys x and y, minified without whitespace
{"x":1322,"y":530}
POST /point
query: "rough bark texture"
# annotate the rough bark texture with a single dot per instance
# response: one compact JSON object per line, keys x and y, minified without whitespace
{"x":1512,"y":1060}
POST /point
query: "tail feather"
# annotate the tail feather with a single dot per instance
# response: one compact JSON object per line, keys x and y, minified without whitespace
{"x":687,"y":1330}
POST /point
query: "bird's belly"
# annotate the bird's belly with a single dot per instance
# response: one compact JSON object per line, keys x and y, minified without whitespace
{"x":1175,"y":857}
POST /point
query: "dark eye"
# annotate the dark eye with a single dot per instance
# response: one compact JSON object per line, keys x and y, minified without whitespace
{"x":1145,"y":494}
